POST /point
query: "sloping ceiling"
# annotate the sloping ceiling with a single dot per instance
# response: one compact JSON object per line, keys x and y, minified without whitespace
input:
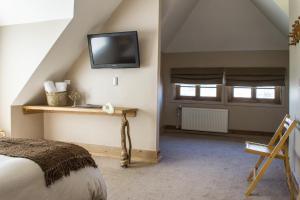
{"x":88,"y":15}
{"x":14,"y":12}
{"x":174,"y":14}
{"x":276,"y":12}
{"x":231,"y":25}
{"x":284,"y":5}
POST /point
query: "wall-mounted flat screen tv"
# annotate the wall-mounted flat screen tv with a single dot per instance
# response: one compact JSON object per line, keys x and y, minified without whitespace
{"x":114,"y":50}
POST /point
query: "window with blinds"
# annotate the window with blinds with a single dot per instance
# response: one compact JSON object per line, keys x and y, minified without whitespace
{"x":260,"y":94}
{"x":200,"y":92}
{"x":255,"y":85}
{"x":202,"y":84}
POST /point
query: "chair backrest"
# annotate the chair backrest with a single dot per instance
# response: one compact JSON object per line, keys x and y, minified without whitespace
{"x":284,"y":130}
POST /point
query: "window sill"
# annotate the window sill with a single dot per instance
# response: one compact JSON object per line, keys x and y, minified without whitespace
{"x":187,"y":101}
{"x":269,"y":105}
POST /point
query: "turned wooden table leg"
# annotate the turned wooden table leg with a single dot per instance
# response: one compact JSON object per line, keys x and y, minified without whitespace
{"x":125,"y":155}
{"x":129,"y":143}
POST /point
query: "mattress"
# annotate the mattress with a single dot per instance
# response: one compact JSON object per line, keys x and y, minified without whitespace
{"x":21,"y":179}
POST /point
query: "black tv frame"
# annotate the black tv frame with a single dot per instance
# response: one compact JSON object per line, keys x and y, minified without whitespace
{"x":115,"y":65}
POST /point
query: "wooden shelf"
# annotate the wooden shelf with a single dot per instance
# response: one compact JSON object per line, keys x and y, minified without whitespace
{"x":119,"y":111}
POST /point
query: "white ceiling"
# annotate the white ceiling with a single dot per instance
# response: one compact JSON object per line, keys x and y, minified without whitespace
{"x":30,"y":11}
{"x":214,"y":25}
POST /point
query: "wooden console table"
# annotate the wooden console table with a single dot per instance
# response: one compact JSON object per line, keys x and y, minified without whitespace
{"x":119,"y":111}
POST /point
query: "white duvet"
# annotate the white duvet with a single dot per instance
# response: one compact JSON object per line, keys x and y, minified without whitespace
{"x":23,"y":179}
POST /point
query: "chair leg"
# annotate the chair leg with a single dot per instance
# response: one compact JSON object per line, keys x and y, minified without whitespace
{"x":258,"y":163}
{"x":289,"y":176}
{"x":260,"y":173}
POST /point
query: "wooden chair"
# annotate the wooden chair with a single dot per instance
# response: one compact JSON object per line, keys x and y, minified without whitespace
{"x":277,"y":148}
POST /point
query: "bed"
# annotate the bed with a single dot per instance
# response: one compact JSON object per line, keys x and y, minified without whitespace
{"x":24,"y":178}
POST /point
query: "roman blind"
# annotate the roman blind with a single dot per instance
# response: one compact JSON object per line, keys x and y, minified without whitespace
{"x":197,"y":75}
{"x":255,"y":76}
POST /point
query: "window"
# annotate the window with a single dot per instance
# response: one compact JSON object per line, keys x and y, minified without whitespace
{"x":242,"y":92}
{"x":266,"y":94}
{"x":204,"y":92}
{"x":187,"y":90}
{"x":208,"y":90}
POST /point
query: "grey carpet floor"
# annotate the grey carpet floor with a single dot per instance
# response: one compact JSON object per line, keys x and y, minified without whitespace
{"x":193,"y":167}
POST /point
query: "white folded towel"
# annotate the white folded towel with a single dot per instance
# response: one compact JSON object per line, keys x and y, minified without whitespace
{"x":61,"y":86}
{"x":49,"y":86}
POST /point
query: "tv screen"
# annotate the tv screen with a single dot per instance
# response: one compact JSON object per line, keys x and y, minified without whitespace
{"x":114,"y":50}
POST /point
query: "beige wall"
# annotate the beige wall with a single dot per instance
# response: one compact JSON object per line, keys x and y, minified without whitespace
{"x":137,"y":87}
{"x":22,"y":48}
{"x":56,"y":62}
{"x":26,"y":126}
{"x":241,"y":116}
{"x":88,"y":14}
{"x":295,"y":94}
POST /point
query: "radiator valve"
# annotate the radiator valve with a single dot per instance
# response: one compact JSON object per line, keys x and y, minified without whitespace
{"x":178,"y":113}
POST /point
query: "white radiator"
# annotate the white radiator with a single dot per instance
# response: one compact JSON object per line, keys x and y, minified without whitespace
{"x":203,"y":119}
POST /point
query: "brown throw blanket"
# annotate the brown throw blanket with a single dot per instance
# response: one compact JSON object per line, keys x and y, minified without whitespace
{"x":56,"y":159}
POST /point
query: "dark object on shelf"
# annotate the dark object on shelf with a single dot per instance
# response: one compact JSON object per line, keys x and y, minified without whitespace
{"x":89,"y":106}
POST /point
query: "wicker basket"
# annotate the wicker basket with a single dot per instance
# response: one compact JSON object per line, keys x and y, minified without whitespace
{"x":2,"y":133}
{"x":57,"y":98}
